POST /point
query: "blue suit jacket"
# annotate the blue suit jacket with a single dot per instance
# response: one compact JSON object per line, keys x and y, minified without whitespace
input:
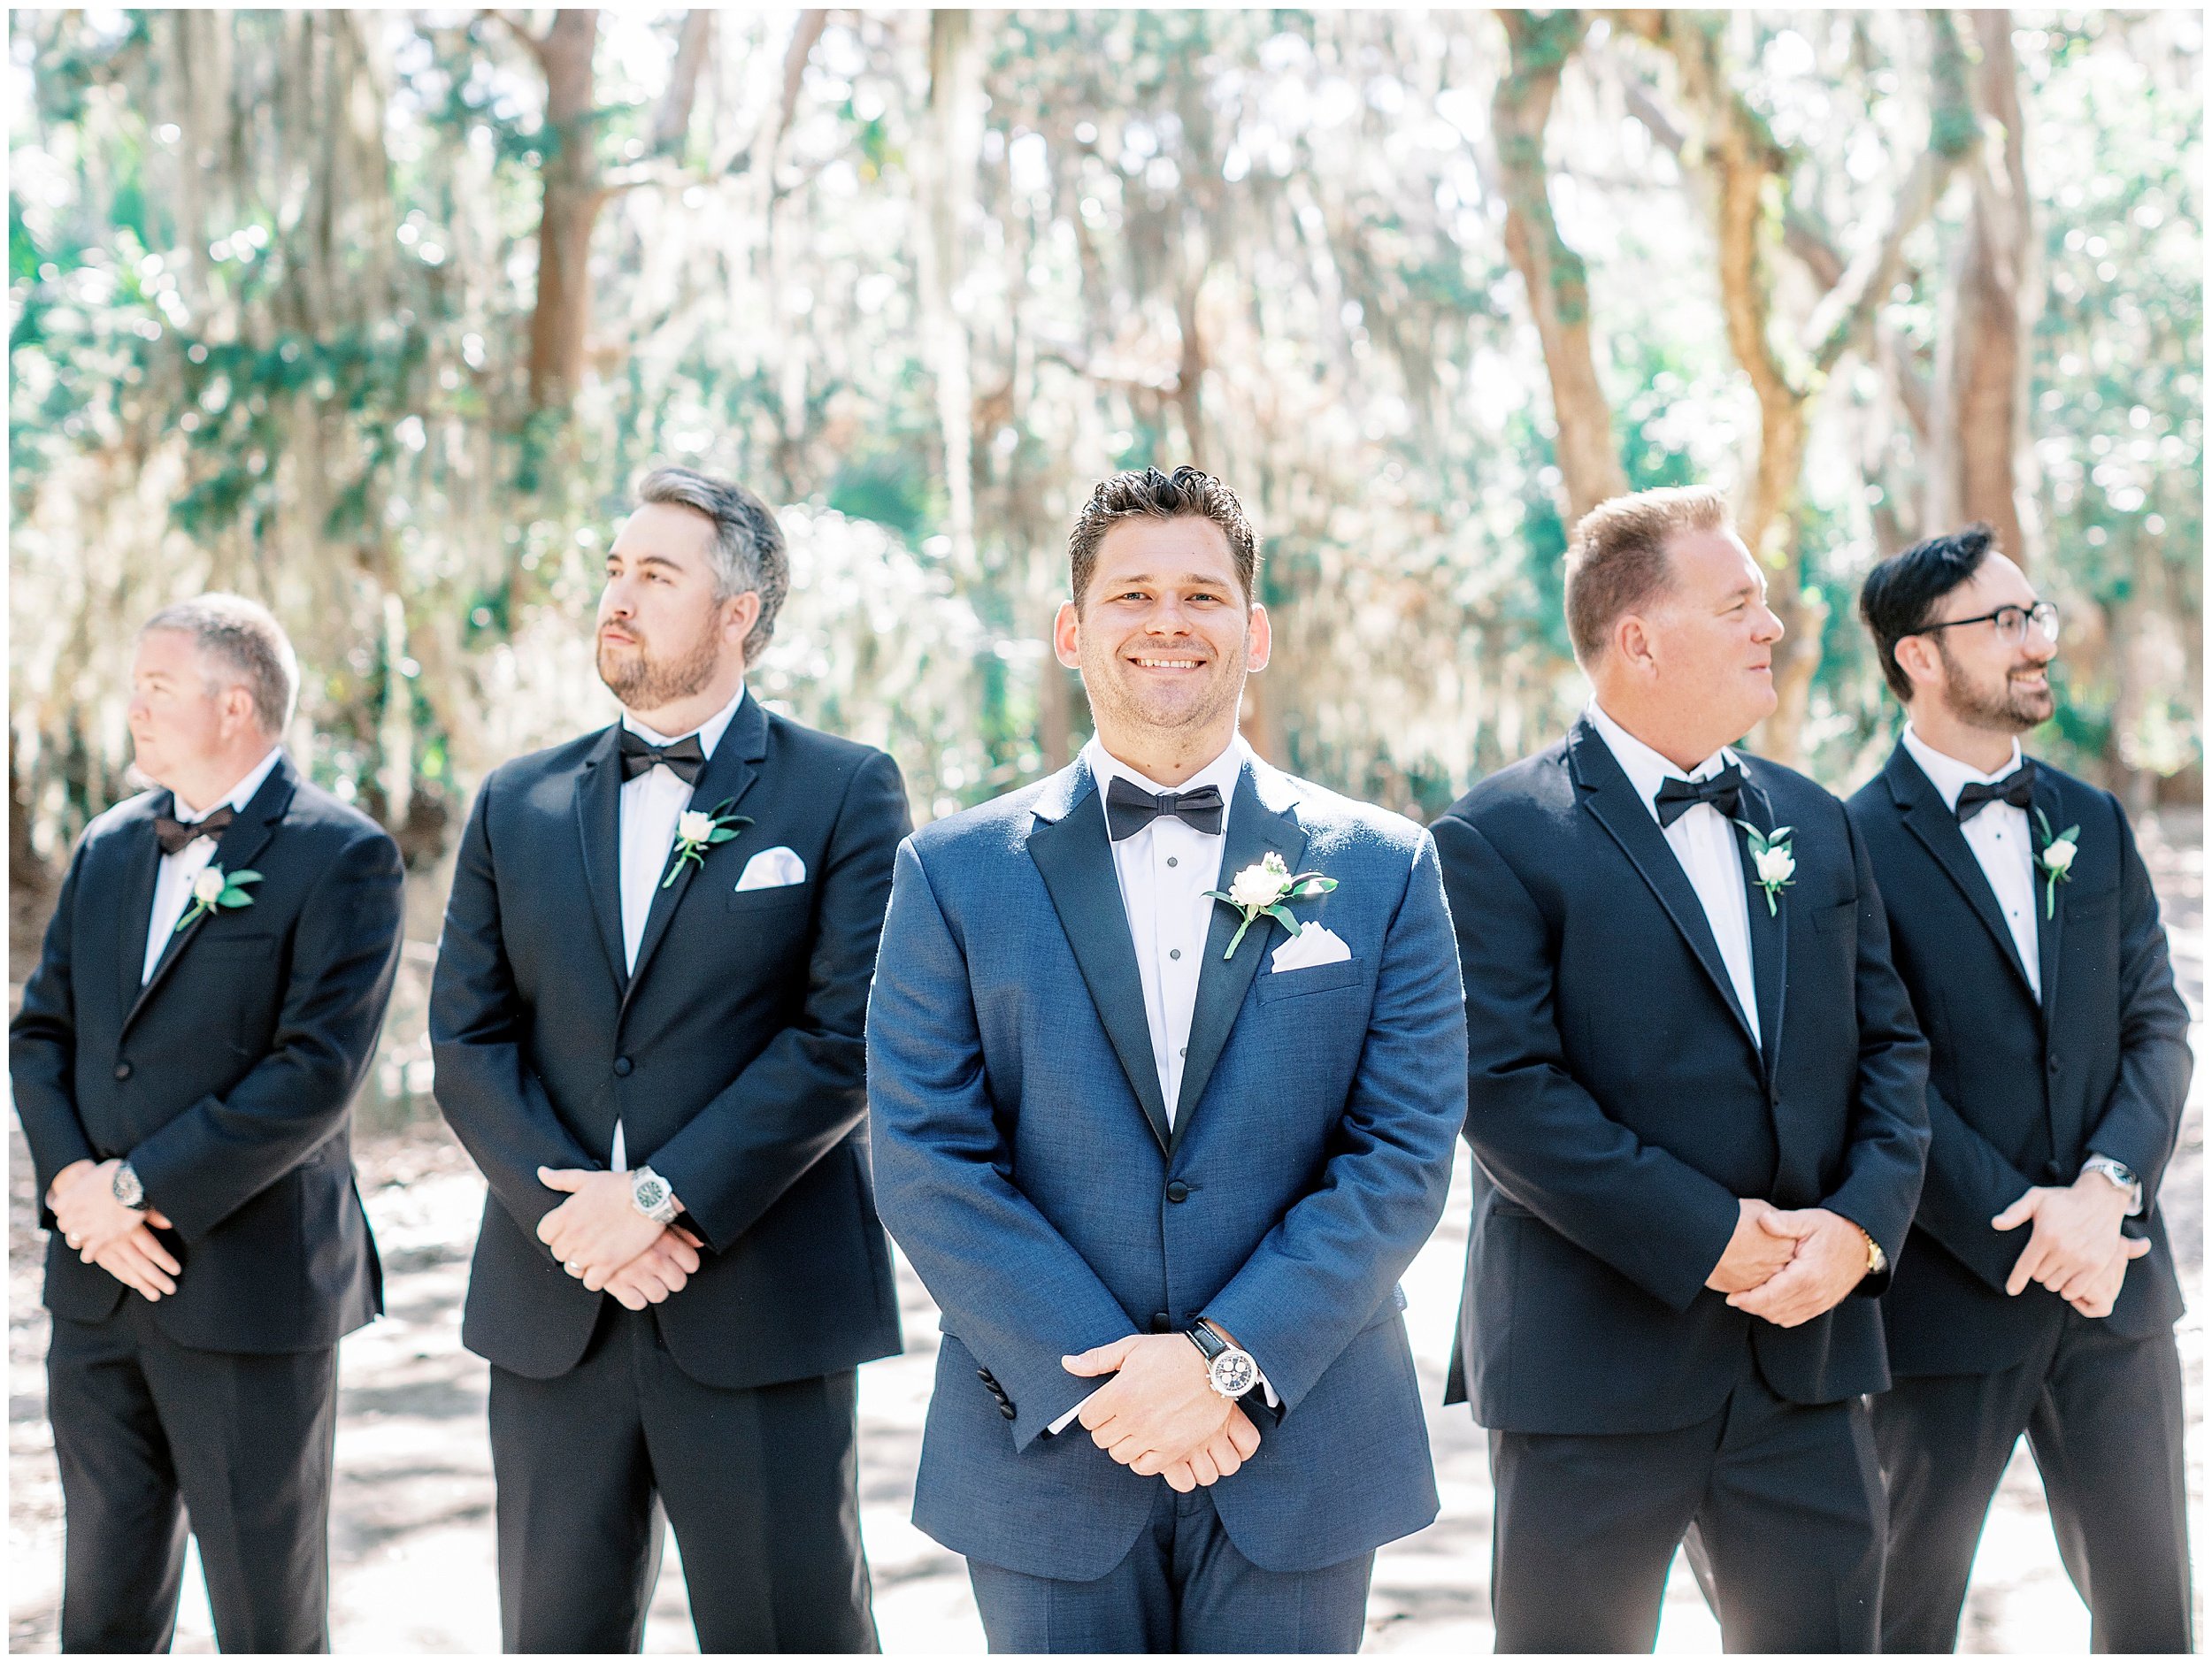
{"x":1025,"y":1163}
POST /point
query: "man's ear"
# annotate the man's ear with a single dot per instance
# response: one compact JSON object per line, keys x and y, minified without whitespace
{"x":1634,"y":645}
{"x":1259,"y":639}
{"x":1918,"y":658}
{"x":740,"y":613}
{"x":1067,"y":636}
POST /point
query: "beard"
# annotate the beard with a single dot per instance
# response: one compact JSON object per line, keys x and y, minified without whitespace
{"x":1198,"y":707}
{"x":643,"y":682}
{"x":2005,"y":709}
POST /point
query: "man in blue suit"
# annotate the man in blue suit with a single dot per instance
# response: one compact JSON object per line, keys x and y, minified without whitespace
{"x":1161,"y":1126}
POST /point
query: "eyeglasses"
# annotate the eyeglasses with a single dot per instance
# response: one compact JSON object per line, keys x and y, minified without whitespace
{"x":2012,"y":623}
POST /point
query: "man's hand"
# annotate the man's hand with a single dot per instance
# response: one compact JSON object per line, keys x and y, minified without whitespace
{"x":1830,"y":1261}
{"x":1218,"y":1457}
{"x":1754,"y":1253}
{"x":660,"y":1270}
{"x":82,"y":1196}
{"x":137,"y":1260}
{"x":1159,"y":1410}
{"x":2095,"y":1293}
{"x":596,"y":1231}
{"x":2076,"y":1230}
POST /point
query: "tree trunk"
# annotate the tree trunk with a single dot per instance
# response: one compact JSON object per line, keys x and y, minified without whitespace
{"x":671,"y":119}
{"x":955,"y":130}
{"x":569,"y":177}
{"x":1554,"y":275}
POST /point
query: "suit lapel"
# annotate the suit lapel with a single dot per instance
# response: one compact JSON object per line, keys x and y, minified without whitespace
{"x":1920,"y":804}
{"x":1608,"y":795}
{"x":142,"y":871}
{"x":1253,"y":830}
{"x":1770,"y":934}
{"x":2047,"y":930}
{"x":238,"y":849}
{"x":728,"y":775}
{"x":1073,"y":856}
{"x":599,"y":824}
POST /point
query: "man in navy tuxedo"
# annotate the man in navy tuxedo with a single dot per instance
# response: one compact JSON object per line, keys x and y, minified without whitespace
{"x":1696,"y":1100}
{"x":646,"y":1021}
{"x":2036,"y":1293}
{"x":1160,"y":1128}
{"x":185,"y":1062}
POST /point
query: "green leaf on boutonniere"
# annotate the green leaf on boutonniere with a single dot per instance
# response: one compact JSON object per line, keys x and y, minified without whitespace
{"x":1773,"y":866}
{"x":699,"y":830}
{"x":1262,"y":889}
{"x":2055,"y":859}
{"x":212,"y":888}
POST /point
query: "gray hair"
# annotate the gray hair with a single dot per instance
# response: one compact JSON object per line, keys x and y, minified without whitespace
{"x":241,"y":636}
{"x":748,"y":551}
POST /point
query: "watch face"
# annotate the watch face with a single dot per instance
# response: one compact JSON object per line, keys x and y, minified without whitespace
{"x":1233,"y":1372}
{"x":650,"y":1193}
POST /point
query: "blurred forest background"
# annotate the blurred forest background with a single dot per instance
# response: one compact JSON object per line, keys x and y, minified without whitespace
{"x":377,"y":315}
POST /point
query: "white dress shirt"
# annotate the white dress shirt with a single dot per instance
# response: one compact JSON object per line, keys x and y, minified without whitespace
{"x":1705,"y":843}
{"x":1165,"y":870}
{"x":651,"y":805}
{"x":1998,"y":834}
{"x":173,"y":885}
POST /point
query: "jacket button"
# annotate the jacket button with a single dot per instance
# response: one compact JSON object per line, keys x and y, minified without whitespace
{"x":1006,"y":1408}
{"x":1160,"y":1322}
{"x":122,"y":1071}
{"x":2050,"y":1062}
{"x":622,"y":1067}
{"x":1179,"y":1190}
{"x":984,"y":1374}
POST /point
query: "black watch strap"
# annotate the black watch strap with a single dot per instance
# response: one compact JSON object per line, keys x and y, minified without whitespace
{"x":1210,"y":1343}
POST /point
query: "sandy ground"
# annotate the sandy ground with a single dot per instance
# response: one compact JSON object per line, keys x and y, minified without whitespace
{"x":411,"y":1535}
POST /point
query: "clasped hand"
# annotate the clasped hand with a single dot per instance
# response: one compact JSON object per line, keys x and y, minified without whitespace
{"x":1788,"y":1267}
{"x":604,"y":1242}
{"x":2076,"y":1250}
{"x":105,"y":1232}
{"x":1160,"y":1414}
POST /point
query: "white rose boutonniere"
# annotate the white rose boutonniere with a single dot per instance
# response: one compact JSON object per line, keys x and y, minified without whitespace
{"x":699,"y":830}
{"x":1262,"y":889}
{"x":1771,"y":861}
{"x":2056,"y":858}
{"x":214,"y":888}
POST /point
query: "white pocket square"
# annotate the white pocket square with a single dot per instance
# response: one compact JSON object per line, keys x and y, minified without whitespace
{"x":1315,"y":944}
{"x":772,"y":868}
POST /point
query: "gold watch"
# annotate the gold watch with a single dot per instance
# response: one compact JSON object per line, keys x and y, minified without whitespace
{"x":1876,"y":1260}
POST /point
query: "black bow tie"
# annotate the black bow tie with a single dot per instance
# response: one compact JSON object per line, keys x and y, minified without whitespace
{"x":684,"y":758}
{"x":1677,"y":797}
{"x":1129,"y":809}
{"x":175,"y":834}
{"x":2016,"y":788}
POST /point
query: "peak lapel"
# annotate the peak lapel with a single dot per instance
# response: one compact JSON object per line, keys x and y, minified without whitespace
{"x":1920,"y":804}
{"x":142,"y":871}
{"x":1253,"y":830}
{"x":2049,"y":931}
{"x":728,"y":775}
{"x":1073,"y":856}
{"x":1770,"y":936}
{"x":599,"y":824}
{"x":240,"y":847}
{"x":1608,"y":795}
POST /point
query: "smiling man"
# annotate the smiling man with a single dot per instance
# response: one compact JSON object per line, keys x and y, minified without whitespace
{"x":646,"y":1026}
{"x":1165,"y":1060}
{"x":1696,"y":1102}
{"x":2038,"y":1295}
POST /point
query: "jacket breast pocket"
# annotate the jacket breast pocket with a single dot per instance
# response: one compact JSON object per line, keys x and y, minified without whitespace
{"x":1836,"y":919}
{"x":229,"y":946}
{"x":1316,"y":978}
{"x":781,"y":897}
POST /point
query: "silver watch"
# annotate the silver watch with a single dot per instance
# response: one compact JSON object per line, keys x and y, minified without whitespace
{"x":126,"y":1189}
{"x":2117,"y":1174}
{"x":650,"y":1193}
{"x":1230,"y":1369}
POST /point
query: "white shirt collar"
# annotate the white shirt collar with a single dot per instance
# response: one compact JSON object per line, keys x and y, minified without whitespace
{"x":709,"y":731}
{"x":1947,"y":774}
{"x":1221,"y":773}
{"x":1646,"y":769}
{"x":241,"y":794}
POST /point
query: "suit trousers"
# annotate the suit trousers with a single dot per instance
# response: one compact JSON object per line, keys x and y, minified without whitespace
{"x":148,"y":1433}
{"x":761,"y":1484}
{"x":2103,"y":1416}
{"x":1183,"y":1586}
{"x":1786,"y":1497}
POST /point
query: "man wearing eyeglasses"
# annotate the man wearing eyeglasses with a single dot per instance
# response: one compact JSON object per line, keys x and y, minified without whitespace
{"x":2036,"y":1291}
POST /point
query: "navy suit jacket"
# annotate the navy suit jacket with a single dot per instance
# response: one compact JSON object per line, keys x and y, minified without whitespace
{"x":2022,"y":1090}
{"x":732,"y":1055}
{"x":1024,"y":1162}
{"x":1620,"y":1106}
{"x":228,"y":1080}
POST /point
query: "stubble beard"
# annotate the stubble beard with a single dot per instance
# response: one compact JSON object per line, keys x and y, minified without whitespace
{"x":1110,"y":696}
{"x":643,"y":682}
{"x":2011,"y":710}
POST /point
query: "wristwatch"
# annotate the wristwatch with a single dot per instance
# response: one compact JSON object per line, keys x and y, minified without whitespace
{"x":126,"y":1189}
{"x":1876,"y":1260}
{"x":1229,"y":1370}
{"x":650,"y":1193}
{"x":2113,"y":1171}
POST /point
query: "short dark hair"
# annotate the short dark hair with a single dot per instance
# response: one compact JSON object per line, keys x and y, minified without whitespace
{"x":1900,"y":595}
{"x":1617,"y":561}
{"x":747,"y":551}
{"x":1186,"y":493}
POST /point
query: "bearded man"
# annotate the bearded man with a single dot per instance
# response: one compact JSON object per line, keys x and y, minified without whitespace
{"x":646,"y":1026}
